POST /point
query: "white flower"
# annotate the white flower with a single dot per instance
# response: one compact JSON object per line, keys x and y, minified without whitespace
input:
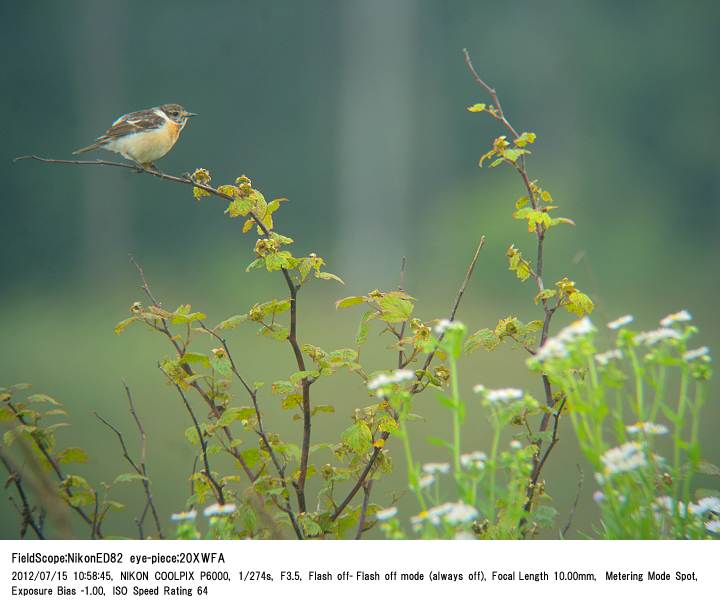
{"x":426,"y":481}
{"x":650,"y":429}
{"x":515,"y":444}
{"x":581,"y":327}
{"x":460,"y":512}
{"x":668,"y":321}
{"x":554,"y":348}
{"x":655,"y":336}
{"x":436,"y":468}
{"x":507,"y":395}
{"x":435,"y":513}
{"x":383,"y":380}
{"x":620,"y":322}
{"x":689,"y":356}
{"x":704,"y":505}
{"x":217,"y":509}
{"x":180,"y":516}
{"x":473,"y":460}
{"x":713,"y":526}
{"x":464,"y":536}
{"x":386,"y":514}
{"x":604,"y":358}
{"x":441,"y":326}
{"x":623,"y":458}
{"x":598,"y":496}
{"x":666,"y":504}
{"x":479,"y":389}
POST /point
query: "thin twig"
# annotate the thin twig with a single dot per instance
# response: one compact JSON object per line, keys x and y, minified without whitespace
{"x":26,"y":511}
{"x":367,"y":489}
{"x":252,"y":393}
{"x":581,"y":479}
{"x":217,"y":487}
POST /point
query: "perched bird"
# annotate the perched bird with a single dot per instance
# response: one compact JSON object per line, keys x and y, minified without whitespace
{"x":144,"y":136}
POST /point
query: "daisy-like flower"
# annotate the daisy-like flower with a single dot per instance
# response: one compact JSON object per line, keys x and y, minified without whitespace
{"x":655,"y":336}
{"x":604,"y":358}
{"x":387,"y":514}
{"x":383,"y":380}
{"x":426,"y":481}
{"x":689,"y":356}
{"x":217,"y":509}
{"x":479,"y":389}
{"x":436,"y":468}
{"x":666,"y":504}
{"x":705,"y":505}
{"x":713,"y":526}
{"x":460,"y":513}
{"x":650,"y":429}
{"x":581,"y":327}
{"x":554,"y":348}
{"x":496,"y":396}
{"x":516,"y":444}
{"x":182,"y":516}
{"x":625,"y":458}
{"x":473,"y":460}
{"x":434,"y":514}
{"x":618,"y":323}
{"x":680,"y":316}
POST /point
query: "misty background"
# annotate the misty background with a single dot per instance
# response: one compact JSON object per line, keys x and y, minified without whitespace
{"x":355,"y":111}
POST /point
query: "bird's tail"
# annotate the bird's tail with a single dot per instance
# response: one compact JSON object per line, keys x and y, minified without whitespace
{"x":94,"y":146}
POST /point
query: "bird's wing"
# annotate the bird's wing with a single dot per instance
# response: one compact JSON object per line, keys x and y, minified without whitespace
{"x":134,"y":122}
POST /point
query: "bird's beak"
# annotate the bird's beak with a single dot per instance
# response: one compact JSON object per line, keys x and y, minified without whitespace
{"x":189,"y":114}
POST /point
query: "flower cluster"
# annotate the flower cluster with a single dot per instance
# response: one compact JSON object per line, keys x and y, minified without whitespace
{"x":618,"y":323}
{"x":604,"y":358}
{"x":648,"y":428}
{"x":218,"y":509}
{"x":499,"y":396}
{"x":450,"y":513}
{"x":443,"y":325}
{"x":557,"y":346}
{"x":655,"y":336}
{"x":680,"y":316}
{"x":473,"y":460}
{"x":693,"y":354}
{"x":624,"y":458}
{"x":382,"y":380}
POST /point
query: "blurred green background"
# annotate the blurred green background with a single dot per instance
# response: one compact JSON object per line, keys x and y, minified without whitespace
{"x":355,"y":111}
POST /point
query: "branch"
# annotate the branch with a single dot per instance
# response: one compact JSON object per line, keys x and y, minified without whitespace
{"x":367,"y":489}
{"x":26,"y":512}
{"x":141,"y":468}
{"x":279,"y":467}
{"x":164,"y":329}
{"x":537,"y":274}
{"x":416,"y":388}
{"x":217,"y":487}
{"x":581,"y":478}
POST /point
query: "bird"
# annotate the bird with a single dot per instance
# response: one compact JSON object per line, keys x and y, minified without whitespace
{"x":144,"y":136}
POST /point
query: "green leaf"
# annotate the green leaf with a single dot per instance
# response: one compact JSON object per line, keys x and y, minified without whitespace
{"x":362,"y":331}
{"x":395,"y":307}
{"x":195,"y":358}
{"x":358,"y":437}
{"x":323,"y":408}
{"x":328,"y":276}
{"x":129,"y":478}
{"x":477,"y":108}
{"x":545,"y":294}
{"x":579,"y":303}
{"x":41,"y":397}
{"x":231,"y":322}
{"x":484,"y":338}
{"x":124,"y":324}
{"x":234,"y":414}
{"x":349,"y":301}
{"x":72,"y":455}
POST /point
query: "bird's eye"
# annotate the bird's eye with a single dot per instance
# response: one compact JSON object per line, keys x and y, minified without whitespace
{"x":175,"y":113}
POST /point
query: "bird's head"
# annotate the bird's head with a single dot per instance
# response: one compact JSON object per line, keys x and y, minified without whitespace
{"x":176,"y":113}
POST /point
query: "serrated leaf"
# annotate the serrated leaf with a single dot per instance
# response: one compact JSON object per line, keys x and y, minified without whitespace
{"x":72,"y":455}
{"x":124,"y":324}
{"x":129,"y":477}
{"x":231,"y":322}
{"x":349,"y":301}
